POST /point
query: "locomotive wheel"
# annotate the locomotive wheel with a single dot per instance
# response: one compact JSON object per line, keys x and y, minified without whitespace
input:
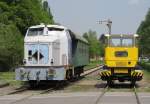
{"x":33,"y":84}
{"x":78,"y":75}
{"x":69,"y":75}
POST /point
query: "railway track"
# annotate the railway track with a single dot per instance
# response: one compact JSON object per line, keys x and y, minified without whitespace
{"x":86,"y":73}
{"x":15,"y":91}
{"x":98,"y":100}
{"x":27,"y":97}
{"x":136,"y":95}
{"x":18,"y":91}
{"x":91,"y":71}
{"x":106,"y":88}
{"x":24,"y":89}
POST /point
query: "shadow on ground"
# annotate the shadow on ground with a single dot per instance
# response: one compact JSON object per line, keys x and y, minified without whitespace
{"x":117,"y":85}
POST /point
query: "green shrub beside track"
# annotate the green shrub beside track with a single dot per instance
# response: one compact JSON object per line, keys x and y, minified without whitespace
{"x":145,"y":66}
{"x":145,"y":83}
{"x":9,"y":77}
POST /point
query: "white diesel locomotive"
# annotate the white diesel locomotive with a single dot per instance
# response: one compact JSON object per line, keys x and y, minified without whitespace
{"x":52,"y":52}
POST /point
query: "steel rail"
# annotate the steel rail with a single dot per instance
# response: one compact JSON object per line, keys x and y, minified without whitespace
{"x":136,"y":95}
{"x":89,"y":72}
{"x":106,"y":88}
{"x":26,"y":88}
{"x":16,"y":91}
{"x":27,"y":97}
{"x":51,"y":89}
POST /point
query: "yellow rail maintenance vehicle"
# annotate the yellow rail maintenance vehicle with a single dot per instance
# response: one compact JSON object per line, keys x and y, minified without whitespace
{"x":121,"y":59}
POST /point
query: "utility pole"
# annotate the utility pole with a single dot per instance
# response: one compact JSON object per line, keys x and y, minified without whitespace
{"x":108,"y":23}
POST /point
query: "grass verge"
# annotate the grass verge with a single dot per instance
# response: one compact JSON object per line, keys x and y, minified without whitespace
{"x":144,"y":84}
{"x":147,"y":75}
{"x":9,"y":77}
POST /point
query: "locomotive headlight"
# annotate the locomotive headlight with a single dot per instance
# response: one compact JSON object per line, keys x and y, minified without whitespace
{"x":52,"y":61}
{"x":22,"y":74}
{"x":24,"y":61}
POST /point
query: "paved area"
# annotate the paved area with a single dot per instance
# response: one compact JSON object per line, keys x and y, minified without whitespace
{"x":77,"y":98}
{"x":144,"y":98}
{"x":118,"y":98}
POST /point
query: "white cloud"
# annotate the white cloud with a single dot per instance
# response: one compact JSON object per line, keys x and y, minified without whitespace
{"x":134,"y":2}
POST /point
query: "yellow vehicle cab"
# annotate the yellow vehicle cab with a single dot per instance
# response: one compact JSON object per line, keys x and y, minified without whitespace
{"x":121,"y":59}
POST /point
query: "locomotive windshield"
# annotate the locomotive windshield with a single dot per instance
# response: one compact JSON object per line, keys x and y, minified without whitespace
{"x":55,"y":29}
{"x":127,"y":42}
{"x":35,"y":31}
{"x":117,"y":42}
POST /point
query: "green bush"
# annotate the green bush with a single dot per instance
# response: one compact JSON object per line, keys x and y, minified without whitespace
{"x":11,"y":46}
{"x":144,"y":38}
{"x":145,"y":66}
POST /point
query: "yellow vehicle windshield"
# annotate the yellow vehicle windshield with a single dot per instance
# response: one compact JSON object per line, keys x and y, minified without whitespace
{"x":117,"y":42}
{"x":120,"y":41}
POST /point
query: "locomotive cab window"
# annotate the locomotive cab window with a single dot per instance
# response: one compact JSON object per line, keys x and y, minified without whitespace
{"x":35,"y":31}
{"x":121,"y":41}
{"x":55,"y":29}
{"x":127,"y":42}
{"x":115,"y":42}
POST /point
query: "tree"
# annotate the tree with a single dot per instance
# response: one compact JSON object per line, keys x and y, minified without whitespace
{"x":15,"y":17}
{"x":28,"y":13}
{"x":11,"y":48}
{"x":24,"y":13}
{"x":95,"y":48}
{"x":144,"y":32}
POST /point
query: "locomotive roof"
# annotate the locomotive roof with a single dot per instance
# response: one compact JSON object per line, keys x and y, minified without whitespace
{"x":78,"y":37}
{"x":81,"y":38}
{"x":42,"y":25}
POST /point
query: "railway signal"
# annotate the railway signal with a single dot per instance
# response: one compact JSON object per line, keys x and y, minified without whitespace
{"x":108,"y":23}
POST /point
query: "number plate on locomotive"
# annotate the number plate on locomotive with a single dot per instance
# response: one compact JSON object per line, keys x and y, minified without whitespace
{"x":120,"y":71}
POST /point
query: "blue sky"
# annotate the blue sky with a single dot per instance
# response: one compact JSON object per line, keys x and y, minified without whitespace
{"x":82,"y":15}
